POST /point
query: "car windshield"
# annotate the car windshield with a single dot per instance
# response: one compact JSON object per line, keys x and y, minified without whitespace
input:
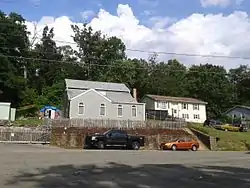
{"x":106,"y":132}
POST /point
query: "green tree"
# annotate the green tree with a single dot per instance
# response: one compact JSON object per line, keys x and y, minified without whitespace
{"x":168,"y":78}
{"x":240,"y":77}
{"x":50,"y":61}
{"x":211,"y":84}
{"x":14,"y":45}
{"x":97,"y":52}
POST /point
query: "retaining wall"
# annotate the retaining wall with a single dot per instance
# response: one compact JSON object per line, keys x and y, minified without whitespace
{"x":207,"y":140}
{"x":74,"y":137}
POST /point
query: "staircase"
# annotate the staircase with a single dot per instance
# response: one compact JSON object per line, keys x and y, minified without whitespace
{"x":202,"y":146}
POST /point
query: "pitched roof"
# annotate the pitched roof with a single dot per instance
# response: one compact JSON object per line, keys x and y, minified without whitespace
{"x":106,"y":86}
{"x":117,"y":93}
{"x":237,"y":106}
{"x":176,"y":99}
{"x":120,"y":97}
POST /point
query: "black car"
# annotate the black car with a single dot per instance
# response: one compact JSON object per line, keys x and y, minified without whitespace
{"x":212,"y":123}
{"x":114,"y":138}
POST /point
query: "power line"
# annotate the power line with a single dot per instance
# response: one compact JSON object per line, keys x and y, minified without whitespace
{"x":157,"y":52}
{"x":111,"y":65}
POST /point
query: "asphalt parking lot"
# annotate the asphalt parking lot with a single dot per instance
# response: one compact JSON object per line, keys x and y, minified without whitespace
{"x":36,"y":166}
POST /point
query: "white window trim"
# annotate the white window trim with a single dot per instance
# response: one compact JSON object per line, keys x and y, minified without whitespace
{"x":196,"y":116}
{"x":185,"y":116}
{"x":134,"y":107}
{"x":81,"y":106}
{"x":119,"y":106}
{"x":164,"y":105}
{"x":105,"y":111}
{"x":184,"y":104}
{"x":196,"y":105}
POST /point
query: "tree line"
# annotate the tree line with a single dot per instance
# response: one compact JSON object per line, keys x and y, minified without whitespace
{"x":33,"y":74}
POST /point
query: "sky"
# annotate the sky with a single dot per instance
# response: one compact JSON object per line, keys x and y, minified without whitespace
{"x":201,"y":27}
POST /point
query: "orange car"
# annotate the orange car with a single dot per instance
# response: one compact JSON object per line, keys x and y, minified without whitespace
{"x":180,"y":144}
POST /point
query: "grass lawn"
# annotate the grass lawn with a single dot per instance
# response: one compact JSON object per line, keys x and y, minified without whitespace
{"x":229,"y":141}
{"x":28,"y":122}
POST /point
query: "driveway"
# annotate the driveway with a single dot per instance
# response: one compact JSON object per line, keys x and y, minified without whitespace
{"x":26,"y":166}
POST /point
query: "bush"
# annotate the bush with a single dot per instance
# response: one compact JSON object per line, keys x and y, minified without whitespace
{"x":27,"y":111}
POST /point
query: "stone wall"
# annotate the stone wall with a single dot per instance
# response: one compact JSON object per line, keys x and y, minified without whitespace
{"x":74,"y":137}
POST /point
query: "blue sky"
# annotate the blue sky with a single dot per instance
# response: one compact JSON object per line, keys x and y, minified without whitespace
{"x":205,"y":27}
{"x":33,"y":10}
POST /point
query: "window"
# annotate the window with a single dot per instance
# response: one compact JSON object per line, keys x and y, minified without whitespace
{"x":175,"y":111}
{"x":185,"y":116}
{"x":195,"y":107}
{"x":164,"y":105}
{"x":81,"y":108}
{"x":102,"y":110}
{"x":118,"y":133}
{"x":196,"y":116}
{"x":134,"y":113}
{"x":161,"y":104}
{"x":119,"y":110}
{"x":184,"y":106}
{"x":157,"y":104}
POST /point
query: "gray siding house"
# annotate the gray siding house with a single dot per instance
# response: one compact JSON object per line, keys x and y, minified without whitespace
{"x":101,"y":100}
{"x":239,"y":112}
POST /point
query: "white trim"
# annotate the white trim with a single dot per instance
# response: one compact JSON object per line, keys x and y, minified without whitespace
{"x":5,"y":103}
{"x":196,"y":105}
{"x":83,"y":108}
{"x":134,"y":106}
{"x":196,"y":116}
{"x":121,"y":107}
{"x":131,"y":103}
{"x":105,"y":112}
{"x":89,"y":91}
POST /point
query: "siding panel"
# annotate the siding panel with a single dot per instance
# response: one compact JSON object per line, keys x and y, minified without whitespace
{"x":92,"y":102}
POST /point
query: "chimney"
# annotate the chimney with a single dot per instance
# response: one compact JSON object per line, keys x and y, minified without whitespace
{"x":135,"y":94}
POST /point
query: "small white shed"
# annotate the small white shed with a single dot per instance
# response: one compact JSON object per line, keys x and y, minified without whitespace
{"x":5,"y":110}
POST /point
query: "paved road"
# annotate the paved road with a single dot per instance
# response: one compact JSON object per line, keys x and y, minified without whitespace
{"x":26,"y":166}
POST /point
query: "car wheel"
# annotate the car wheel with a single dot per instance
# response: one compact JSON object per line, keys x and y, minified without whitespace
{"x":100,"y":145}
{"x":194,"y":148}
{"x":135,"y":146}
{"x":174,"y":147}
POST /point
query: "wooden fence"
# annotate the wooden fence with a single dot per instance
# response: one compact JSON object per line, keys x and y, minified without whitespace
{"x":24,"y":135}
{"x":107,"y":123}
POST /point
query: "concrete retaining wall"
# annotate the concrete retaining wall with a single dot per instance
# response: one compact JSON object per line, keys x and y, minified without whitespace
{"x":209,"y":141}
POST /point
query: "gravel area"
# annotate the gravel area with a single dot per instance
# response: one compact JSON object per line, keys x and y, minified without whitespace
{"x":37,"y":166}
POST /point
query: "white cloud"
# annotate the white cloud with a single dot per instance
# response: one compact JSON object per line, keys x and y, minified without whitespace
{"x":197,"y":34}
{"x":87,"y":14}
{"x":221,"y":3}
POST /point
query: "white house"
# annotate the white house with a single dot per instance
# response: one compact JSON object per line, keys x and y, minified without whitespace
{"x":190,"y":109}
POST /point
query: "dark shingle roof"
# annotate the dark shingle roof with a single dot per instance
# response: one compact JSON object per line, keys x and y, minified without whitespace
{"x":176,"y":99}
{"x":106,"y":86}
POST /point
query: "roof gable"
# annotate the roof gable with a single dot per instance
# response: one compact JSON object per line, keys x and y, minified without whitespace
{"x":237,"y":106}
{"x":91,"y":90}
{"x":105,"y":86}
{"x":176,"y":99}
